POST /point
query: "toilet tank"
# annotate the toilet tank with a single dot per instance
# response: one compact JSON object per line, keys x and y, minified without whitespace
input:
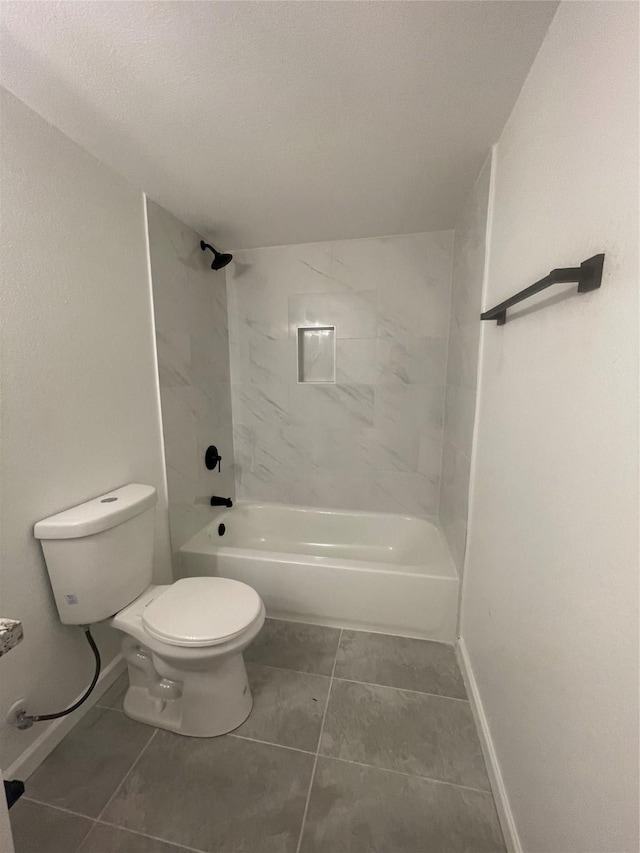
{"x":99,"y":554}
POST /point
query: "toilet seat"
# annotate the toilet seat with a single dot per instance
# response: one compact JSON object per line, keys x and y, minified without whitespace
{"x":198,"y":612}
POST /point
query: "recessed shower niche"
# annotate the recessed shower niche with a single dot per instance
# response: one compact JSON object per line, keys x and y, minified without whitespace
{"x":317,"y":354}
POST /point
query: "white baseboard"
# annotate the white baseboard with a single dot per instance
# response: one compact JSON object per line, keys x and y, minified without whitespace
{"x":35,"y":754}
{"x":503,"y":808}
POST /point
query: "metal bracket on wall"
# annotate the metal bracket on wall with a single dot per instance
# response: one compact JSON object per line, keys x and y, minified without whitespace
{"x":588,"y":275}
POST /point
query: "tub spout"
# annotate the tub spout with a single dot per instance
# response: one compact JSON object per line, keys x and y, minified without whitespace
{"x":215,"y":501}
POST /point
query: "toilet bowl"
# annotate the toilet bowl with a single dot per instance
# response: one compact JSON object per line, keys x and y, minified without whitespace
{"x":183,"y":648}
{"x":183,"y":642}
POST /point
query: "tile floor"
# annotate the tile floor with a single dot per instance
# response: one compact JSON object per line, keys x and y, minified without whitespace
{"x":357,"y":743}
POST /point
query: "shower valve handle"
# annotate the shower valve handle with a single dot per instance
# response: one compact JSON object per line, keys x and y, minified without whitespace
{"x":212,"y":457}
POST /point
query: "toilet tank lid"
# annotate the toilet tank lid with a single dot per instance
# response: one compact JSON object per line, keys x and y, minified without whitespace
{"x":99,"y":514}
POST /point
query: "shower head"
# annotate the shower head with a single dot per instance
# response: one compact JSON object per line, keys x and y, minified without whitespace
{"x":219,"y":259}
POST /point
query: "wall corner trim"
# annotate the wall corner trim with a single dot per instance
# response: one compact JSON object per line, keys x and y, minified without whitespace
{"x":505,"y":815}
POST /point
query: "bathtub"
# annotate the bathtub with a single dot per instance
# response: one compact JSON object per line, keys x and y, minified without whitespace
{"x":366,"y":570}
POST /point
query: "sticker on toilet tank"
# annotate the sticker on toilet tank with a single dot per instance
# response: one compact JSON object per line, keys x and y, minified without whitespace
{"x":71,"y":599}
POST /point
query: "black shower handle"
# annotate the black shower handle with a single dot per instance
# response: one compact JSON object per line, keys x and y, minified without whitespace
{"x":212,"y":457}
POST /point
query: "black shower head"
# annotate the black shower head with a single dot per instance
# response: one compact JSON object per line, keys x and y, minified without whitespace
{"x":219,"y":259}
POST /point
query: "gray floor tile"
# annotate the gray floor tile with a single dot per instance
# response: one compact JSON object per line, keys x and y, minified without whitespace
{"x":42,"y":829}
{"x":287,"y":706}
{"x":114,"y":696}
{"x":364,"y":810}
{"x":109,"y":839}
{"x":294,"y":645}
{"x":223,"y":795}
{"x":400,"y":662}
{"x":85,"y":769}
{"x":415,"y":733}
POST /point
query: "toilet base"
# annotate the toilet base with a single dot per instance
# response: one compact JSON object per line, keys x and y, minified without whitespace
{"x":201,"y":703}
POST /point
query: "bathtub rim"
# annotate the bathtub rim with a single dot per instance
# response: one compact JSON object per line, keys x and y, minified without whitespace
{"x":327,"y":510}
{"x":201,"y":543}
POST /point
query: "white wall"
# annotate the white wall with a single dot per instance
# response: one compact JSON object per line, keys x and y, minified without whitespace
{"x":550,"y":600}
{"x":190,"y":309}
{"x":462,"y":364}
{"x":372,"y":440}
{"x":80,"y":412}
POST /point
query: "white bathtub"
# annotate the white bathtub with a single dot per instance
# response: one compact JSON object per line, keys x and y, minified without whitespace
{"x":376,"y":571}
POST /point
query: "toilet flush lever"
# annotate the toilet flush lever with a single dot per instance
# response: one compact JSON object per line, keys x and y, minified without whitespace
{"x":212,"y":457}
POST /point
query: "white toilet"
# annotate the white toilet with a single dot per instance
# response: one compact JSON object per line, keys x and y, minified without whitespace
{"x":184,"y":641}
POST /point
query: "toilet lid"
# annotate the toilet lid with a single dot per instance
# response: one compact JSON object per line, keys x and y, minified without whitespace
{"x":201,"y":611}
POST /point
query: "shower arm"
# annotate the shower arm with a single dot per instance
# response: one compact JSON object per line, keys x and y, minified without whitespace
{"x":220,"y":259}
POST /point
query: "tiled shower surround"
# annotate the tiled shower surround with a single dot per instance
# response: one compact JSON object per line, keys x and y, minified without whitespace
{"x":372,"y":440}
{"x":190,"y":308}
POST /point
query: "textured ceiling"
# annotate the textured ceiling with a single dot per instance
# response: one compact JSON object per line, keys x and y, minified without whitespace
{"x":265,"y":123}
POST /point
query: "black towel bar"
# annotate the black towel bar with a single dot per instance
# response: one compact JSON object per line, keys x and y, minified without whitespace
{"x":588,"y":275}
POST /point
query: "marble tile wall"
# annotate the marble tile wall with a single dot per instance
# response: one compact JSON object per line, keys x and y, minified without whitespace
{"x":372,"y":440}
{"x":462,"y":365}
{"x":190,"y":307}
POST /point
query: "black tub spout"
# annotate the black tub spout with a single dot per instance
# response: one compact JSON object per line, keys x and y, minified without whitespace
{"x":215,"y":501}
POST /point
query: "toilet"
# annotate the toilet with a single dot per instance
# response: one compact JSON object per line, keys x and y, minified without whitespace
{"x":183,"y":641}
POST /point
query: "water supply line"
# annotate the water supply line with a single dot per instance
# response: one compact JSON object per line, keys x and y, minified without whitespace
{"x":22,"y":720}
